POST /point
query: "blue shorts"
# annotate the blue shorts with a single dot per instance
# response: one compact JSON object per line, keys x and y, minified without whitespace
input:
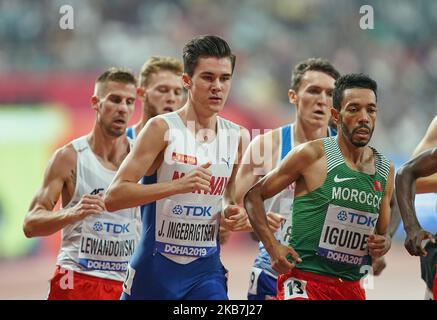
{"x":159,"y":278}
{"x":262,"y":285}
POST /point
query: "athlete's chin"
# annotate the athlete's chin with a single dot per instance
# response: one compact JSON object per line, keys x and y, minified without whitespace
{"x":360,"y":143}
{"x":215,"y":108}
{"x":118,"y":132}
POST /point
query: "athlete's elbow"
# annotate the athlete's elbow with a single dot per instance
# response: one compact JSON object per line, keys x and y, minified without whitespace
{"x":110,"y":201}
{"x":404,"y":175}
{"x":28,"y":229}
{"x":250,"y":198}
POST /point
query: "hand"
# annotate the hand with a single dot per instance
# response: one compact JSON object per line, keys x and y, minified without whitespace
{"x":197,"y":179}
{"x":413,"y":242}
{"x":235,"y":218}
{"x":378,"y":266}
{"x":274,"y":220}
{"x":378,"y":245}
{"x":282,"y":258}
{"x":88,"y":204}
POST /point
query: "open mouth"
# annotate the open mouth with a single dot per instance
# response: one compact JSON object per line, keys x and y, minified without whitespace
{"x":120,"y":122}
{"x":319,"y":113}
{"x":167,"y":109}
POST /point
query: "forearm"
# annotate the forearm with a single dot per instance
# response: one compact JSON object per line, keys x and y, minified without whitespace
{"x":427,"y":184}
{"x":127,"y":194}
{"x":257,"y":216}
{"x":395,"y":217}
{"x":405,"y":193}
{"x":41,"y":222}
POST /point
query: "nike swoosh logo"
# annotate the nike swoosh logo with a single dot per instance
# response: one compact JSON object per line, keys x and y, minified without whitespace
{"x":337,"y":179}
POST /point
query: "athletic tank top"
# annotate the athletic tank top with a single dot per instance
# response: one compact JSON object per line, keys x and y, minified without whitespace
{"x":99,"y":245}
{"x":130,"y":132}
{"x":282,"y":202}
{"x":332,"y":223}
{"x":184,"y":227}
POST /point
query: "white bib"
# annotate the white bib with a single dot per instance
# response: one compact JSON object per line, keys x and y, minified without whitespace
{"x":344,"y":235}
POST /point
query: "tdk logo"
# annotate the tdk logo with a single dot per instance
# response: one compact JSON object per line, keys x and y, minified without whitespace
{"x":194,"y":211}
{"x":342,"y":215}
{"x":98,"y":226}
{"x":357,"y":218}
{"x":111,"y":227}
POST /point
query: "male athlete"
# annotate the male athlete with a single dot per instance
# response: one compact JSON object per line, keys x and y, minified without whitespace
{"x":193,"y":154}
{"x":419,"y":176}
{"x":96,"y":244}
{"x":312,"y":84}
{"x":160,"y":90}
{"x":341,"y":208}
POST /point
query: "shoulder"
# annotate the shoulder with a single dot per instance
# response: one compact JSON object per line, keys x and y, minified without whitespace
{"x":158,"y":123}
{"x":430,"y":138}
{"x":316,"y":148}
{"x":66,"y":154}
{"x":269,"y":139}
{"x":63,"y":161}
{"x":309,"y":151}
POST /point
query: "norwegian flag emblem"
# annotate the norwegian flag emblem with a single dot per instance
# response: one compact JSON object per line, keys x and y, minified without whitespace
{"x":377,"y":186}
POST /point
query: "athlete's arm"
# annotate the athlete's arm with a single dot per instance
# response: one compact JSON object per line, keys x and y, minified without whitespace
{"x":234,"y":217}
{"x":145,"y":157}
{"x":40,"y":220}
{"x":395,"y":216}
{"x":423,"y":165}
{"x":427,"y":184}
{"x":256,"y":162}
{"x":379,"y":243}
{"x":291,"y":169}
{"x":379,"y":264}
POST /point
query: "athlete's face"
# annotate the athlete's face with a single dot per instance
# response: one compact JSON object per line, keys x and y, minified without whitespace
{"x":357,"y":116}
{"x":164,"y":93}
{"x":115,"y":106}
{"x":313,"y":98}
{"x":209,"y":86}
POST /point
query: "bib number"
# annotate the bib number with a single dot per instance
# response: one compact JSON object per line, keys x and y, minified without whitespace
{"x":295,"y":288}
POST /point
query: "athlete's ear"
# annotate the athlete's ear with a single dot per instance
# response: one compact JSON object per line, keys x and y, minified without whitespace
{"x":140,"y":92}
{"x":95,"y":102}
{"x":186,"y":81}
{"x":335,"y":116}
{"x":292,"y":96}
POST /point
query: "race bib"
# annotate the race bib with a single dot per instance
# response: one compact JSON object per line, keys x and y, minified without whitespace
{"x":107,"y":243}
{"x":295,"y":288}
{"x":187,"y":230}
{"x":344,"y":235}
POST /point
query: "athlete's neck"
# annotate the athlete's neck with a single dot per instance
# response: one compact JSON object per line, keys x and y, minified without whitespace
{"x":303,"y":133}
{"x":353,"y":154}
{"x":143,"y":120}
{"x":109,"y":149}
{"x":201,"y":121}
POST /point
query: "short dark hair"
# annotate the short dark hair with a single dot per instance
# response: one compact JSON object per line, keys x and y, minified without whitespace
{"x":312,"y":64}
{"x":349,"y":81}
{"x":117,"y":75}
{"x":205,"y":46}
